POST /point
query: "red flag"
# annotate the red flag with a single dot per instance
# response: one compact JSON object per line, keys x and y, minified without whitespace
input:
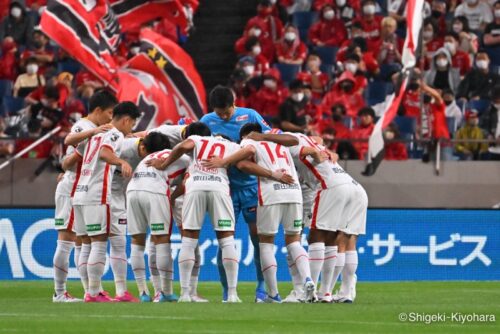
{"x":133,"y":13}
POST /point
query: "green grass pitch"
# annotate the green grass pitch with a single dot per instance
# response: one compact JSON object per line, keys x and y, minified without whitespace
{"x":26,"y":307}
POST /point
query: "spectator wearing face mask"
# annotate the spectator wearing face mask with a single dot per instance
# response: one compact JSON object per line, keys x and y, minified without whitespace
{"x":335,"y":120}
{"x":47,"y":110}
{"x":254,"y":50}
{"x":270,"y":96}
{"x":490,"y":122}
{"x":438,"y":14}
{"x":354,"y":65}
{"x":354,"y":4}
{"x":371,"y":23}
{"x":272,"y":27}
{"x":441,"y":74}
{"x":398,"y":10}
{"x":452,"y":109}
{"x":293,"y":111}
{"x":346,"y":93}
{"x":256,"y":30}
{"x":431,"y":41}
{"x":39,"y":50}
{"x":291,"y":50}
{"x":363,"y":131}
{"x":394,"y":150}
{"x":491,"y":38}
{"x":357,"y":45}
{"x":314,"y":77}
{"x":459,"y":59}
{"x":63,"y":83}
{"x":468,"y":41}
{"x":29,"y":81}
{"x":247,"y":64}
{"x":470,"y":130}
{"x":479,"y":82}
{"x":478,"y":14}
{"x":345,"y":11}
{"x":18,"y":24}
{"x":329,"y":30}
{"x":8,"y":60}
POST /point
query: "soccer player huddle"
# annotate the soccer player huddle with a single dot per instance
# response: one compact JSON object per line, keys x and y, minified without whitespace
{"x":117,"y":182}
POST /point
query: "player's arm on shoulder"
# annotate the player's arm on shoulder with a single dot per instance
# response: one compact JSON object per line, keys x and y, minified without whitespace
{"x":71,"y":160}
{"x":249,"y":167}
{"x":259,"y":119}
{"x":107,"y":155}
{"x":317,"y":155}
{"x":75,"y":138}
{"x":180,"y":149}
{"x":242,"y":154}
{"x":282,"y":139}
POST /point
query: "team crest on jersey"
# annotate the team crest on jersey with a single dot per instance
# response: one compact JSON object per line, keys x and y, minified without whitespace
{"x":78,"y":129}
{"x":241,"y":118}
{"x":114,"y":137}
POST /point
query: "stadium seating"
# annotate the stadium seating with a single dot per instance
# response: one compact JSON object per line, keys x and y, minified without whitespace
{"x":303,"y":21}
{"x":288,"y":72}
{"x":12,"y":105}
{"x":327,"y":54}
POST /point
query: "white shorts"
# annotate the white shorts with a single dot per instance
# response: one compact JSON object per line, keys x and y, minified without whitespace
{"x":307,"y":202}
{"x":177,"y":210}
{"x":218,"y":205}
{"x":64,"y":215}
{"x":342,"y":208}
{"x":145,"y":209}
{"x":95,"y":220}
{"x":269,"y":217}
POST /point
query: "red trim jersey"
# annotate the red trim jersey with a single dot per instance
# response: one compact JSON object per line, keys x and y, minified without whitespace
{"x":94,"y":185}
{"x":68,"y":183}
{"x":209,"y":179}
{"x":274,"y":157}
{"x":325,"y":175}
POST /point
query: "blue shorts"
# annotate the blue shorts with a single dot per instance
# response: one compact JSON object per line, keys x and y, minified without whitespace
{"x":245,"y":201}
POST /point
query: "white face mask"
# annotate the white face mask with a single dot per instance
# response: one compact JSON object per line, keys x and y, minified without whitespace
{"x":270,"y":83}
{"x":389,"y":135}
{"x":256,"y":32}
{"x":450,"y":46}
{"x":457,"y":27}
{"x":249,"y":69}
{"x":273,"y":2}
{"x":428,"y":34}
{"x":31,"y":68}
{"x":369,"y":9}
{"x":482,"y":64}
{"x":16,"y":12}
{"x":329,"y":14}
{"x":135,"y":50}
{"x":290,"y":36}
{"x":256,"y":50}
{"x":497,"y":13}
{"x":297,"y":97}
{"x":340,"y":3}
{"x":442,"y":62}
{"x":351,"y":67}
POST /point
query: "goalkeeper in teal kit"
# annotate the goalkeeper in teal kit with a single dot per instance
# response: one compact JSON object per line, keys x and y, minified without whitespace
{"x":227,"y":119}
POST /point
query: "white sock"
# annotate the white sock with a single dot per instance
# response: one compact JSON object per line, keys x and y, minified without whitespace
{"x":269,"y":267}
{"x":82,"y":266}
{"x":61,"y":265}
{"x":153,"y":269}
{"x":350,"y":266}
{"x":139,"y":268}
{"x":328,"y":268}
{"x":339,"y":266}
{"x":316,"y":255}
{"x":95,"y":266}
{"x":76,"y":255}
{"x":118,"y":261}
{"x":186,"y":262}
{"x":230,"y":262}
{"x":164,"y":263}
{"x":193,"y":282}
{"x":296,"y":280}
{"x":299,"y":256}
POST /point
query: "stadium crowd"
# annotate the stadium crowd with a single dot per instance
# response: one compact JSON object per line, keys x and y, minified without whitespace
{"x":323,"y":67}
{"x":326,"y":67}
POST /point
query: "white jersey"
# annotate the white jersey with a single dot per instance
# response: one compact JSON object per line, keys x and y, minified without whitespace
{"x":130,"y":153}
{"x":66,"y":186}
{"x":94,"y":185}
{"x":326,"y":175}
{"x":274,"y":157}
{"x":157,"y":181}
{"x":209,"y":179}
{"x":173,"y":132}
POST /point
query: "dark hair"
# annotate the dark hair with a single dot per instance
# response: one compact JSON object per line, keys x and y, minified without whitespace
{"x":51,"y":92}
{"x":126,"y":108}
{"x":198,"y":129}
{"x":34,"y":125}
{"x":221,"y":97}
{"x":453,"y":34}
{"x":296,"y":84}
{"x":265,"y":3}
{"x":447,"y":91}
{"x":464,"y":21}
{"x":155,"y":141}
{"x":353,"y":56}
{"x":366,"y":111}
{"x":495,"y":92}
{"x":249,"y":127}
{"x":251,"y":42}
{"x":31,"y":60}
{"x":430,"y":21}
{"x":103,"y":99}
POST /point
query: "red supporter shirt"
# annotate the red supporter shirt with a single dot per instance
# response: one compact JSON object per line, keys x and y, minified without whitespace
{"x":331,"y":33}
{"x":40,"y":151}
{"x":352,"y":101}
{"x":293,"y":52}
{"x":267,"y":102}
{"x":362,"y":133}
{"x":461,"y":60}
{"x":371,"y":30}
{"x":395,"y":151}
{"x":411,"y":103}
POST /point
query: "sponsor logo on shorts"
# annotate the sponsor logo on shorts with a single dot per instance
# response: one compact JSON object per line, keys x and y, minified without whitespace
{"x":59,"y":222}
{"x":224,"y":223}
{"x":122,"y":221}
{"x":157,"y":227}
{"x":297,"y":223}
{"x":93,"y":227}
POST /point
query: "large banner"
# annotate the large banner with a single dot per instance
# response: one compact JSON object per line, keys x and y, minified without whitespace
{"x":399,"y":245}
